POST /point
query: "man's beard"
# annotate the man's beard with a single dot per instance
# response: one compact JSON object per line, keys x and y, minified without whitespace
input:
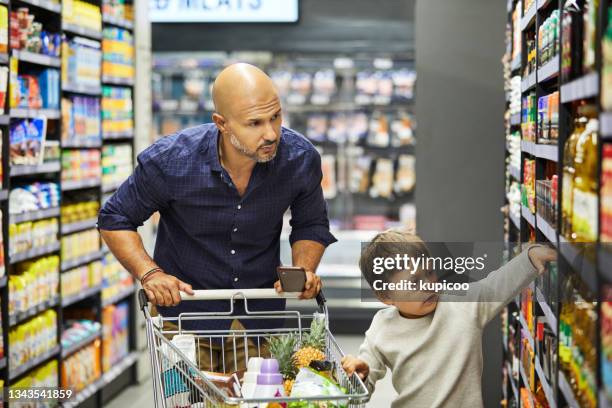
{"x":250,"y":154}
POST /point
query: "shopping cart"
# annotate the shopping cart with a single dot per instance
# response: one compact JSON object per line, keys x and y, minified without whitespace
{"x":178,"y":382}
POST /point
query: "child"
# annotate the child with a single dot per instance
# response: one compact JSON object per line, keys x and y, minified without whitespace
{"x":432,"y":345}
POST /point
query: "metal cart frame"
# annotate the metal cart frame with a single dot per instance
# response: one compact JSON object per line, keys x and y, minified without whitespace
{"x":178,"y":382}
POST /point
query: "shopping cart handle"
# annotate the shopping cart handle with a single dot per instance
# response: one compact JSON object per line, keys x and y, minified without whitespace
{"x":228,"y":294}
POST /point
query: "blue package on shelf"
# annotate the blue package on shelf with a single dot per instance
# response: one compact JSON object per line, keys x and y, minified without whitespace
{"x":49,"y":88}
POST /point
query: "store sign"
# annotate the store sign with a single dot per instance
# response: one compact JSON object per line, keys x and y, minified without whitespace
{"x":223,"y":11}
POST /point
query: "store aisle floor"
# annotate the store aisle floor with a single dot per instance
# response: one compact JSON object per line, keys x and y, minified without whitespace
{"x":141,"y":395}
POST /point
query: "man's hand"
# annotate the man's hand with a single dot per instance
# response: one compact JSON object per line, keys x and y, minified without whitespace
{"x":312,"y":286}
{"x":352,"y":365}
{"x":540,"y":255}
{"x":164,"y":290}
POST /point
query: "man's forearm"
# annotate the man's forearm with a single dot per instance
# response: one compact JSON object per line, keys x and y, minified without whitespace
{"x":129,"y":250}
{"x":307,"y":254}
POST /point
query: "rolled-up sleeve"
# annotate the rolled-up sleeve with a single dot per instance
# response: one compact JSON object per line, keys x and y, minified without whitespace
{"x":309,"y":219}
{"x":141,"y":195}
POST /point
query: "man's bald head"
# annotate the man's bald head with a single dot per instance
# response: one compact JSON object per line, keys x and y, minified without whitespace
{"x":240,"y":86}
{"x":248,"y":113}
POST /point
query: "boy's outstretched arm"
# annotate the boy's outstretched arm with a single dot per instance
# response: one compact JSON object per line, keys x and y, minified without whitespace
{"x":368,"y":366}
{"x":502,"y":285}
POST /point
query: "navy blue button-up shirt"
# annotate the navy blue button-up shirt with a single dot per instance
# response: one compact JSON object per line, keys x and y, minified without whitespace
{"x":209,"y":236}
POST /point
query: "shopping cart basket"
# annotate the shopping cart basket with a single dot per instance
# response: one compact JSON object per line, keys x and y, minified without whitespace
{"x":178,"y":382}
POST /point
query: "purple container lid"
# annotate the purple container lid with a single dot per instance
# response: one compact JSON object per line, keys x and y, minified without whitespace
{"x":269,"y":374}
{"x":269,"y":366}
{"x":269,"y":379}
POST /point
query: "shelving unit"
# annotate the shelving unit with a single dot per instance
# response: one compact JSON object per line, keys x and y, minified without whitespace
{"x":110,"y":382}
{"x":581,"y":267}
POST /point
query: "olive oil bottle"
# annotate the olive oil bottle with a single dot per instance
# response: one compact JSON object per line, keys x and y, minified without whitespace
{"x":585,"y":199}
{"x":569,"y":153}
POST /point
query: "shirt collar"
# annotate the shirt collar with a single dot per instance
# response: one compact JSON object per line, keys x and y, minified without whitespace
{"x":210,"y":149}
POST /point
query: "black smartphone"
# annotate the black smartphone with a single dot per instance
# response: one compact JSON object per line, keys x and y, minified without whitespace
{"x":292,"y":278}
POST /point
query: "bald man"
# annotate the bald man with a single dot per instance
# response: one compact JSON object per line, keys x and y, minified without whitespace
{"x":221,"y":190}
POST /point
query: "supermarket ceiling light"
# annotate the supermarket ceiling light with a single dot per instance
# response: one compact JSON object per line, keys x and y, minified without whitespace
{"x":224,"y":11}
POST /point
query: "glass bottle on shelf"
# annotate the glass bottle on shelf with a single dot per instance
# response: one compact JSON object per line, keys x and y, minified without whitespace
{"x":569,"y":153}
{"x":591,"y":8}
{"x":585,"y":211}
{"x":606,"y":85}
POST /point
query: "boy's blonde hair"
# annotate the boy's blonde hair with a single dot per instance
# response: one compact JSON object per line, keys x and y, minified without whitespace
{"x":388,"y":244}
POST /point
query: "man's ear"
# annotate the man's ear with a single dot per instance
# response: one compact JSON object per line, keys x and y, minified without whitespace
{"x":220,"y":122}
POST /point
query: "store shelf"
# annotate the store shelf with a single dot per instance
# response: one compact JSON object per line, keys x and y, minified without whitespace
{"x":24,"y":368}
{"x":550,"y":395}
{"x":118,"y":297}
{"x":548,"y":313}
{"x":19,"y":317}
{"x":512,"y":381}
{"x":80,"y":184}
{"x":82,"y":144}
{"x":528,"y":147}
{"x":528,"y":216}
{"x":27,"y":113}
{"x":117,"y":81}
{"x":83,"y":31}
{"x":118,"y":22}
{"x":4,"y":194}
{"x":604,"y":263}
{"x":515,"y":120}
{"x":44,"y":4}
{"x":581,"y":88}
{"x":548,"y":152}
{"x":546,"y":229}
{"x":106,"y":379}
{"x":528,"y":83}
{"x":81,"y":343}
{"x":84,"y":294}
{"x":3,"y":281}
{"x":79,"y":226}
{"x":34,"y":215}
{"x":529,"y":18}
{"x":566,"y":390}
{"x":118,"y":135}
{"x":515,"y":65}
{"x":38,"y":59}
{"x":34,"y":252}
{"x":83,"y":89}
{"x":27,"y":170}
{"x":549,"y":71}
{"x":581,"y":264}
{"x":605,"y":125}
{"x":110,"y":187}
{"x":5,"y":119}
{"x":2,"y":363}
{"x":526,"y":383}
{"x":515,"y":220}
{"x":81,"y":260}
{"x":514,"y":172}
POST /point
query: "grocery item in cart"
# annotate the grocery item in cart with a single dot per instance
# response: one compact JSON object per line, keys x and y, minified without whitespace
{"x":310,"y":383}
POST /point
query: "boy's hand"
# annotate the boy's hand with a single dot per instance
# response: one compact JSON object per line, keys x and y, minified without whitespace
{"x":540,"y":255}
{"x":354,"y":365}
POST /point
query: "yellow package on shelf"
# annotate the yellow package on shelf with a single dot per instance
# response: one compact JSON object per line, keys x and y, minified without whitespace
{"x":82,"y":14}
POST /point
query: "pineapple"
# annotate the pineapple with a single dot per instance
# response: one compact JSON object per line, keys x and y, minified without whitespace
{"x":288,"y":384}
{"x":313,"y":344}
{"x":282,"y":349}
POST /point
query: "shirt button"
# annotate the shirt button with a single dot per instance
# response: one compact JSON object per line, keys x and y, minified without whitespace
{"x":233,"y":252}
{"x":235,"y":229}
{"x":235,"y":279}
{"x":239,"y":206}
